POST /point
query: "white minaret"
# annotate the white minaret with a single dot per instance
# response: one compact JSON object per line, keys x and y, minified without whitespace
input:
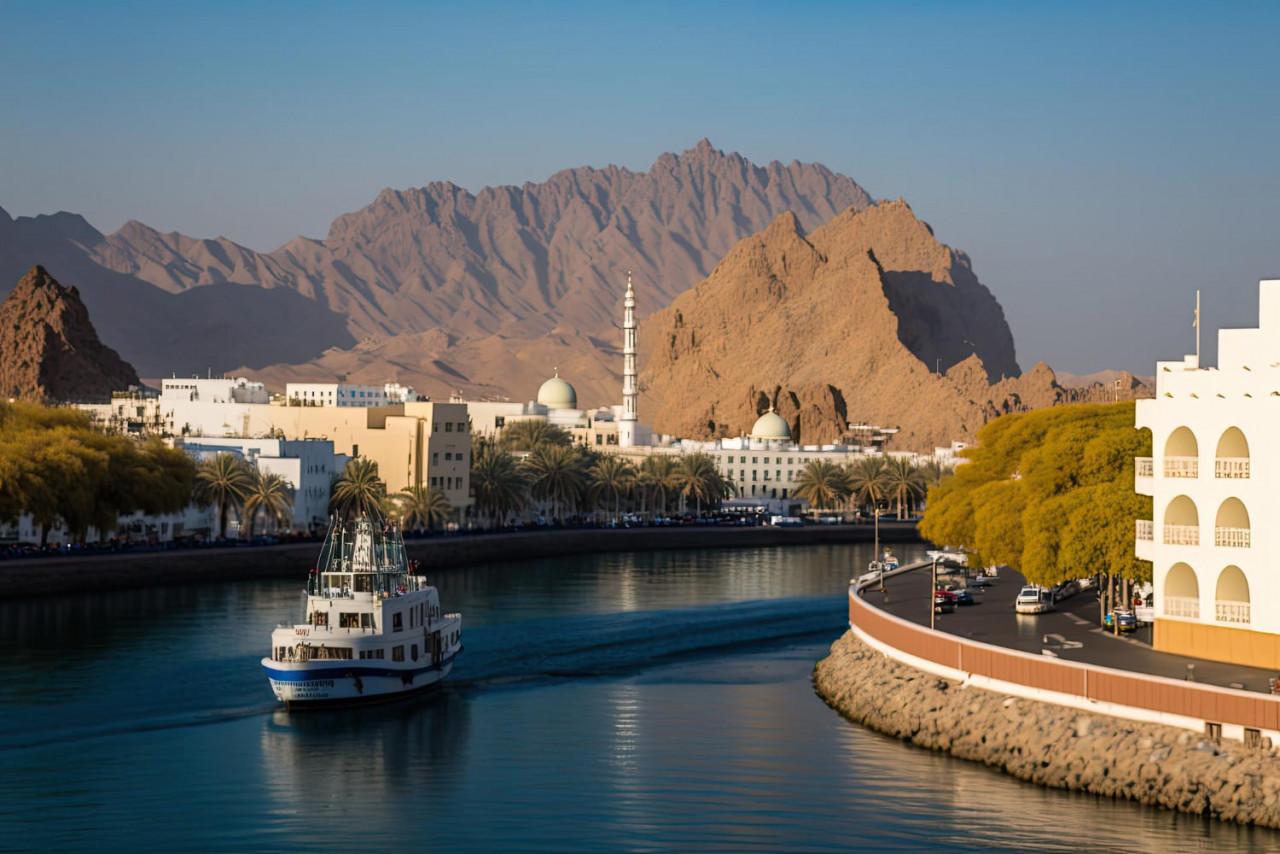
{"x":630,"y":390}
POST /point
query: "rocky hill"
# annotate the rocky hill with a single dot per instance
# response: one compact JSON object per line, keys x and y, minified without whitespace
{"x":49,"y":351}
{"x":866,"y":319}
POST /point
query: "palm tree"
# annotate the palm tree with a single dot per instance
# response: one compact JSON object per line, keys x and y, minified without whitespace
{"x":698,"y":478}
{"x":358,"y":491}
{"x":822,"y":483}
{"x":498,"y":482}
{"x":271,"y":495}
{"x":224,"y":481}
{"x":555,"y":475}
{"x":424,"y":506}
{"x":612,"y":475}
{"x":866,"y":482}
{"x":903,"y":482}
{"x":656,"y":479}
{"x":530,"y":434}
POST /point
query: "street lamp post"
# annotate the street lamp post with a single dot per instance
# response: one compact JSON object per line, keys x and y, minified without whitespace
{"x":879,"y":564}
{"x":933,"y":593}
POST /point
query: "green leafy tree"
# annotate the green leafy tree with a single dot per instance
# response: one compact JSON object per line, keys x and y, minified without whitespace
{"x":611,"y":476}
{"x":498,"y":482}
{"x":358,"y":491}
{"x":656,"y":480}
{"x":698,"y":477}
{"x":555,"y":475}
{"x":424,"y":507}
{"x":223,"y":481}
{"x":823,"y":484}
{"x":1049,"y":492}
{"x":528,"y":435}
{"x":867,"y":482}
{"x":270,"y":496}
{"x":903,"y":483}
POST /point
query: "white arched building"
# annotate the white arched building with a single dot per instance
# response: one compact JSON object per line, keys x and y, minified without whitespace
{"x":1212,"y":477}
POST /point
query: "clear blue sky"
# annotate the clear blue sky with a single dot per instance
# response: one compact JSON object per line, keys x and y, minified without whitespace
{"x":1099,"y":162}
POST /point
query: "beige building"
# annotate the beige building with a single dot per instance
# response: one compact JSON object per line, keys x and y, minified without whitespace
{"x":418,"y":443}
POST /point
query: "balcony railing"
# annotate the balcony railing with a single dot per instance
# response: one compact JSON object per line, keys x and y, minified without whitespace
{"x":1182,"y":535}
{"x":1146,"y":529}
{"x":1186,"y":607}
{"x":1231,"y":467}
{"x":1235,"y":538}
{"x":1181,"y":466}
{"x":1231,"y":612}
{"x":1143,"y":467}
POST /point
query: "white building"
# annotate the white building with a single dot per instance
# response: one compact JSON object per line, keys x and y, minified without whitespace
{"x":1212,"y":481}
{"x":307,"y":465}
{"x":347,"y":394}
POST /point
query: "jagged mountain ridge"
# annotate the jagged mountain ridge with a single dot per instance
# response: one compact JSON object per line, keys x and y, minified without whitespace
{"x":49,"y":350}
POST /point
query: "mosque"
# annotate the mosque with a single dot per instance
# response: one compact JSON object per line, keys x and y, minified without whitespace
{"x":763,"y":465}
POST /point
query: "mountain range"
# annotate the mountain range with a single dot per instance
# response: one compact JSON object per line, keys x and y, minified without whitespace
{"x":488,"y":293}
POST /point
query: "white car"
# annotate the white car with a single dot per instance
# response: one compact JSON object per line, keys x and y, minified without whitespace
{"x":1033,"y":600}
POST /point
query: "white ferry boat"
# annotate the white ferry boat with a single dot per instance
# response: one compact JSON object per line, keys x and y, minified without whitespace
{"x":373,"y":628}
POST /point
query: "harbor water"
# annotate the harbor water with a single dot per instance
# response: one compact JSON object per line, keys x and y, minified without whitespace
{"x":615,"y":702}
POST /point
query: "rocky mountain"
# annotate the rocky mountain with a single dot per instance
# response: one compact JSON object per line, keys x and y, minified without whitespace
{"x":867,"y":319}
{"x":49,"y":350}
{"x":490,"y":271}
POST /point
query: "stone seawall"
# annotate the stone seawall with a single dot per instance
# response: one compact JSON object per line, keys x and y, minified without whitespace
{"x":1052,"y":745}
{"x":57,"y":576}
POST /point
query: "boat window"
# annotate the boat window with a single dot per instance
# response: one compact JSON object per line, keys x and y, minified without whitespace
{"x":348,"y":621}
{"x":366,"y":621}
{"x":320,"y":618}
{"x":382,"y":653}
{"x":363,"y":584}
{"x":397,"y":653}
{"x":413,"y":652}
{"x":397,"y":622}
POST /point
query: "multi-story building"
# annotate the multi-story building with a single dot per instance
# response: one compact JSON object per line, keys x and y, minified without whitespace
{"x":418,"y":443}
{"x":347,"y":394}
{"x":1212,"y":477}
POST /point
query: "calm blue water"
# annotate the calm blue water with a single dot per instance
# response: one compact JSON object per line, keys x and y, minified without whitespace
{"x":620,"y":702}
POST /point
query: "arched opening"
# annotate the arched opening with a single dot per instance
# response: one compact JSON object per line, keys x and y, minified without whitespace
{"x":1181,"y":592}
{"x":1181,"y":454}
{"x":1232,"y":597}
{"x":1232,"y":457}
{"x":1182,"y":522}
{"x":1231,"y":528}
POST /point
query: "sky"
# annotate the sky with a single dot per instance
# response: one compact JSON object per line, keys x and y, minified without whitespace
{"x":1099,"y":162}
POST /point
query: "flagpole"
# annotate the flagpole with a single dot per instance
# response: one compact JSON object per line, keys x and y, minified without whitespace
{"x":1197,"y":325}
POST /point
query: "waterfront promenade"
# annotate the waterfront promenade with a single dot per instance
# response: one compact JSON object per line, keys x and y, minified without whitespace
{"x":1071,"y":633}
{"x":66,"y":575}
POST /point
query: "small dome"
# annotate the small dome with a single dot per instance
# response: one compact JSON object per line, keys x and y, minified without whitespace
{"x":771,"y":425}
{"x":555,"y":393}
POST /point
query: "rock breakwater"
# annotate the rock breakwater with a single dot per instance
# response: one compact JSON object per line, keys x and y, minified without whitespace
{"x":1052,"y":745}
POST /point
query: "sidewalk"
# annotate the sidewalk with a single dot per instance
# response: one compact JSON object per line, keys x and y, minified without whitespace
{"x":1071,"y":633}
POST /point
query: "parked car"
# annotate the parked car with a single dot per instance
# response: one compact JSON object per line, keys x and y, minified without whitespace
{"x":980,"y":581}
{"x":963,"y":597}
{"x":1127,"y":621}
{"x":1033,"y":600}
{"x":944,"y":602}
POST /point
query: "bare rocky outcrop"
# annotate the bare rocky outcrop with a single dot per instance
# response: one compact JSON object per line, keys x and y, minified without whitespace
{"x":867,"y":319}
{"x":49,"y":351}
{"x":1052,"y":745}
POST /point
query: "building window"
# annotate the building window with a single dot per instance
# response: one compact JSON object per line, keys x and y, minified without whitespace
{"x":397,"y":653}
{"x":462,"y":427}
{"x":397,"y":622}
{"x":448,"y":426}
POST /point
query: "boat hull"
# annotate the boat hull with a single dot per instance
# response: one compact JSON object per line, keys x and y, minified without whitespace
{"x":322,"y":684}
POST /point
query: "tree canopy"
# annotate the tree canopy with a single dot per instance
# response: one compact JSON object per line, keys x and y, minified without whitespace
{"x":57,"y":467}
{"x":1050,"y":493}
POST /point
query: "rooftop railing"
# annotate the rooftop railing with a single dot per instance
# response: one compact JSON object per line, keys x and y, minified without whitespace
{"x":1181,"y":466}
{"x":1184,"y":607}
{"x":1143,"y":467}
{"x":1182,"y":535}
{"x":1234,"y":538}
{"x":1231,"y":467}
{"x":1225,"y":611}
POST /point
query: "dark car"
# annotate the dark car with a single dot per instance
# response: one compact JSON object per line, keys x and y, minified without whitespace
{"x":963,"y":597}
{"x":1126,"y":620}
